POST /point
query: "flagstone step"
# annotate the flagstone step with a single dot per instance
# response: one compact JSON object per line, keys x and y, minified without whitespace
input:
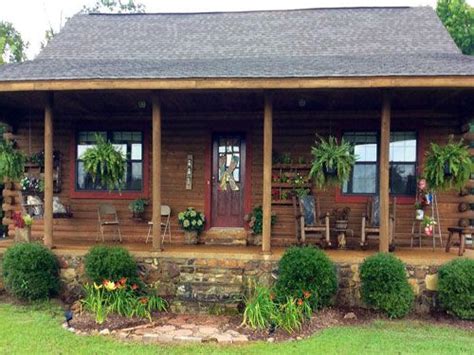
{"x":226,"y":236}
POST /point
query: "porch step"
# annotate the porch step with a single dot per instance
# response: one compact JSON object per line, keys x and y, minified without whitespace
{"x":225,"y":236}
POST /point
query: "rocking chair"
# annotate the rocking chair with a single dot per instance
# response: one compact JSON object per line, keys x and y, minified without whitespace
{"x":309,"y":220}
{"x":371,"y":222}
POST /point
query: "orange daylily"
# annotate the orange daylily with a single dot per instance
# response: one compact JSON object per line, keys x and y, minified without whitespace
{"x":300,"y":302}
{"x":134,"y":287}
{"x":306,"y":294}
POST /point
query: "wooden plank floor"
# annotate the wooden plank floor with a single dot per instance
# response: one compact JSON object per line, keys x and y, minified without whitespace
{"x":413,"y":256}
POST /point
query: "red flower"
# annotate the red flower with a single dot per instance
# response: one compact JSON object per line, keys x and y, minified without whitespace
{"x":134,"y":287}
{"x":105,"y":282}
{"x":122,"y":281}
{"x":300,"y":302}
{"x":144,"y":300}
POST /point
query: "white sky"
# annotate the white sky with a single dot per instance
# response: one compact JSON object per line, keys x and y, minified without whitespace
{"x":33,"y":17}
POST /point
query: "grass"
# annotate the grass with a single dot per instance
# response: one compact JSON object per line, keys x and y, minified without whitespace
{"x":37,"y":330}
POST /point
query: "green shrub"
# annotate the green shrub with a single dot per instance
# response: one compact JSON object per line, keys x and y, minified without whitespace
{"x":110,"y":263}
{"x":306,"y":273}
{"x":385,"y":285}
{"x":456,"y":287}
{"x":30,"y":271}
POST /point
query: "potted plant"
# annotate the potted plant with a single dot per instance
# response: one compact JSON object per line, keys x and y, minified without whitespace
{"x":137,"y":207}
{"x":22,"y":225}
{"x":299,"y":183}
{"x":12,"y":162}
{"x":255,"y":223}
{"x":192,"y":223}
{"x":428,"y":225}
{"x":419,"y":212}
{"x":341,"y":216}
{"x":332,"y":161}
{"x":448,"y":166}
{"x":105,"y":163}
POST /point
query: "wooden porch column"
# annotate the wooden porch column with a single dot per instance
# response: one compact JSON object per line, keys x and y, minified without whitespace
{"x":156,"y":173}
{"x":384,"y":174}
{"x":48,"y":171}
{"x":267,"y":174}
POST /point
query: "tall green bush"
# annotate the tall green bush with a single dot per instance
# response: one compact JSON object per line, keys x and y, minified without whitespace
{"x":110,"y":263}
{"x":456,"y":287}
{"x":307,"y":273}
{"x":385,"y":286}
{"x":30,"y":271}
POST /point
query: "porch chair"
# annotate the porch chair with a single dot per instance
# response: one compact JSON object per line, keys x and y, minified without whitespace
{"x":371,"y":221}
{"x":107,"y":216}
{"x":309,"y":220}
{"x":165,"y":212}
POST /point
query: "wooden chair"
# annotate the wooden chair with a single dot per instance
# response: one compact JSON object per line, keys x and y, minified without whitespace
{"x":165,"y":212}
{"x":371,"y":221}
{"x":35,"y":210}
{"x":107,"y":216}
{"x":309,"y":220}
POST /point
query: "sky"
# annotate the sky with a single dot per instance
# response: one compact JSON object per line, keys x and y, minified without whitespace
{"x":33,"y":17}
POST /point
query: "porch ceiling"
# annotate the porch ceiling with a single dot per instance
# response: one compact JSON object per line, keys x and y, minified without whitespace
{"x":120,"y":102}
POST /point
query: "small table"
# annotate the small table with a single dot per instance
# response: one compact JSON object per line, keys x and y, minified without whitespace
{"x":462,"y":232}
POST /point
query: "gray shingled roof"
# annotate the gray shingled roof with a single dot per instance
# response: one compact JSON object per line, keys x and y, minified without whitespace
{"x":263,"y":44}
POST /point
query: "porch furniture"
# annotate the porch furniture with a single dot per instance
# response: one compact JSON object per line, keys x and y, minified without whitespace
{"x":309,"y":220}
{"x":165,"y":212}
{"x":33,"y":208}
{"x":418,"y":232}
{"x":371,"y":221}
{"x":461,"y":232}
{"x":107,"y":217}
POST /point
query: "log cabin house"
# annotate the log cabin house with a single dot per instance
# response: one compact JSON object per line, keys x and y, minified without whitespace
{"x":179,"y":89}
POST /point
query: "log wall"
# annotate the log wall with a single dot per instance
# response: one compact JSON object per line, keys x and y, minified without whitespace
{"x":182,"y":135}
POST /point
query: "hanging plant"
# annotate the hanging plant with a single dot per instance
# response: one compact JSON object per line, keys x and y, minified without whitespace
{"x":12,"y":162}
{"x":105,"y":164}
{"x":332,"y":161}
{"x":448,"y":166}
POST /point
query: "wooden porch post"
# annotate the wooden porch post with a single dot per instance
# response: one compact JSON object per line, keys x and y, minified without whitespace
{"x":267,"y":173}
{"x":156,"y":173}
{"x":384,"y":174}
{"x":48,"y":171}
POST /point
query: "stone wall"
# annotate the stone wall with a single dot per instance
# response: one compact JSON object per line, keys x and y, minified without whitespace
{"x":217,"y":285}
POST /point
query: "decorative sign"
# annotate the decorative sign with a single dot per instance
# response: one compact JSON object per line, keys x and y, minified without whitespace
{"x":189,"y":172}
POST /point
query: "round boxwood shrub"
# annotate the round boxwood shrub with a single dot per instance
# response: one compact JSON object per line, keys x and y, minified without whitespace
{"x":303,"y":270}
{"x":385,"y":286}
{"x":30,"y":271}
{"x":110,"y":263}
{"x":456,"y":287}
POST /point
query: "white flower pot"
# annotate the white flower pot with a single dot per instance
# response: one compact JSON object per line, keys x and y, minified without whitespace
{"x":419,"y":215}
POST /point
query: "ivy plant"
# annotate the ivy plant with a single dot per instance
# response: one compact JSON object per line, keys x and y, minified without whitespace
{"x":329,"y":155}
{"x":12,"y":162}
{"x":105,"y":163}
{"x":448,"y":166}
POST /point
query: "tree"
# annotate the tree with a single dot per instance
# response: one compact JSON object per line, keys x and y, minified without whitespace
{"x":116,"y":6}
{"x":12,"y":46}
{"x":458,"y":18}
{"x":48,"y":36}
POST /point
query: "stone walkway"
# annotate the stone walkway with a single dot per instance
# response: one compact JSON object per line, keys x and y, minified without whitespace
{"x":183,"y":328}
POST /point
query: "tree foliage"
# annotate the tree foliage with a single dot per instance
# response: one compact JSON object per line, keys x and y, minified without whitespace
{"x":458,"y":18}
{"x":12,"y":46}
{"x":115,"y":6}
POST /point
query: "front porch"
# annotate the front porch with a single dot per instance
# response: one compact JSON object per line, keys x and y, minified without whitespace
{"x":176,"y":126}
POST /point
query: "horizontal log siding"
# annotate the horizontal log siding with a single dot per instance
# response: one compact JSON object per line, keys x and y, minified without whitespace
{"x":293,"y":133}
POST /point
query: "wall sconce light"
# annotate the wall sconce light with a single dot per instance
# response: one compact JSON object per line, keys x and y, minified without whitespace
{"x":189,"y":172}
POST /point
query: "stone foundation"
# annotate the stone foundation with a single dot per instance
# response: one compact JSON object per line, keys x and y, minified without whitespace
{"x":218,"y":284}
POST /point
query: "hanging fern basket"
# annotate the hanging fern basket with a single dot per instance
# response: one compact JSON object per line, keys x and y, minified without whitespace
{"x":12,"y":162}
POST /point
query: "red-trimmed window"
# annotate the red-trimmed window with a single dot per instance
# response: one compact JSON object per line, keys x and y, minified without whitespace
{"x":403,"y":162}
{"x":129,"y":142}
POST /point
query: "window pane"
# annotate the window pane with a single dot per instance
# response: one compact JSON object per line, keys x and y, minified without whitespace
{"x":403,"y":179}
{"x":136,"y":176}
{"x":81,"y":149}
{"x":363,"y":180}
{"x":365,"y":145}
{"x":403,"y":146}
{"x":136,"y":151}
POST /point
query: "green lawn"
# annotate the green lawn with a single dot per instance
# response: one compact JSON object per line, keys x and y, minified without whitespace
{"x":37,"y":330}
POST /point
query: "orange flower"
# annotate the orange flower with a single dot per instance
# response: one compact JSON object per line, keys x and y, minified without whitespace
{"x":300,"y":302}
{"x":122,"y":281}
{"x":134,"y":287}
{"x":144,"y":300}
{"x":306,"y":294}
{"x":272,"y":296}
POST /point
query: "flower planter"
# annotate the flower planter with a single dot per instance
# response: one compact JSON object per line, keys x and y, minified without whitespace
{"x":23,"y":235}
{"x":331,"y":172}
{"x":429,"y":231}
{"x":419,"y":214}
{"x":255,"y":239}
{"x":447,"y":170}
{"x":190,"y":237}
{"x":138,"y":216}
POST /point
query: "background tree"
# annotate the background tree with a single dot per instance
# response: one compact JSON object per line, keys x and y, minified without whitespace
{"x":48,"y":36}
{"x":12,"y":46}
{"x":458,"y":18}
{"x":116,"y":6}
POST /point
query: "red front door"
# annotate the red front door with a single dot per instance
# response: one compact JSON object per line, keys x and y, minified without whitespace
{"x":228,"y":177}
